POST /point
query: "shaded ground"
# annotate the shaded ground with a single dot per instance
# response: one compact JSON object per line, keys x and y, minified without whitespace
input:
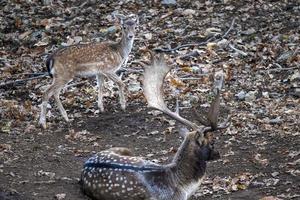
{"x":47,"y":163}
{"x":260,"y":150}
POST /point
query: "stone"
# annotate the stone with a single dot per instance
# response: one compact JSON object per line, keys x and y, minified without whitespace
{"x":168,"y":2}
{"x":241,"y":95}
{"x":250,"y":96}
{"x":189,"y":12}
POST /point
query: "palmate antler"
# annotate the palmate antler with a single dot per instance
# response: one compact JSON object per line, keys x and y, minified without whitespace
{"x":154,"y":76}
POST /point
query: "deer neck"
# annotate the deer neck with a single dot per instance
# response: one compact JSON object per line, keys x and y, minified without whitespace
{"x":125,"y":46}
{"x":187,"y":166}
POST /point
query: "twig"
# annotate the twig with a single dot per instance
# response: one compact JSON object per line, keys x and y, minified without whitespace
{"x":21,"y":80}
{"x":30,"y":74}
{"x":283,"y":69}
{"x":198,"y":76}
{"x":197,"y":44}
{"x":122,"y":70}
{"x":143,"y":63}
{"x":190,"y":54}
{"x":75,"y":84}
{"x":296,"y":50}
{"x":44,"y":182}
{"x":237,"y":50}
{"x":278,"y":65}
{"x":230,"y":28}
{"x":184,"y":45}
{"x":191,"y":78}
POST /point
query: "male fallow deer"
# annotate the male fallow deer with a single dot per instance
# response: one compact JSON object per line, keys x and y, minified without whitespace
{"x":115,"y":174}
{"x":100,"y":59}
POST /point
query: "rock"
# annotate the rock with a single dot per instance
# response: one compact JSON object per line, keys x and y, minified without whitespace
{"x":250,"y":96}
{"x":265,"y":94}
{"x":249,"y":31}
{"x":296,"y":92}
{"x":186,"y":103}
{"x":223,"y":43}
{"x":195,"y":69}
{"x":284,"y":56}
{"x":168,"y":2}
{"x":241,"y":95}
{"x":190,"y":12}
{"x":295,"y":76}
{"x":134,"y":87}
{"x":277,"y":120}
{"x":77,"y":39}
{"x":194,"y":99}
{"x":47,"y":2}
{"x":270,"y":198}
{"x":148,"y":36}
{"x":275,"y":174}
{"x":275,"y":95}
{"x":60,"y":196}
{"x":111,"y":29}
{"x":212,"y":31}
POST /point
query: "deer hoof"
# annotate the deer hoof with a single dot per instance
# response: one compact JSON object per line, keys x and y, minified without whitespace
{"x":66,"y":118}
{"x":101,"y":108}
{"x":42,"y":123}
{"x":123,"y":107}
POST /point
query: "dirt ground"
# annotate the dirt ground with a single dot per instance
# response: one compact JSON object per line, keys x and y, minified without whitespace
{"x":260,"y":151}
{"x":47,"y":163}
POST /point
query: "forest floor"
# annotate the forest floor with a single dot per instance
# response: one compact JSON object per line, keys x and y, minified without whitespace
{"x":256,"y":44}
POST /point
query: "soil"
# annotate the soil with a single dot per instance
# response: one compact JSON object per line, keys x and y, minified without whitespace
{"x":49,"y":164}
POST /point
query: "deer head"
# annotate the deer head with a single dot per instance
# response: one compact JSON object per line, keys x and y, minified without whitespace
{"x":128,"y":23}
{"x":201,"y":136}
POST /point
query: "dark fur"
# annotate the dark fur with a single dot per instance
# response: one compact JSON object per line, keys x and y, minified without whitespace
{"x":118,"y":166}
{"x":49,"y":64}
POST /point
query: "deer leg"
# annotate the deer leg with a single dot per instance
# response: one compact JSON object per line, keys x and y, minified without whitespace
{"x":54,"y":89}
{"x":48,"y":93}
{"x":121,"y":86}
{"x":59,"y":104}
{"x":100,"y":82}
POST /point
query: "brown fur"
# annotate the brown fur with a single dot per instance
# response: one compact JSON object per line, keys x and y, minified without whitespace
{"x":102,"y":59}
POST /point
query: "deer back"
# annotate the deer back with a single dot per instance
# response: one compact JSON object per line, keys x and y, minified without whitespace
{"x":109,"y":175}
{"x":97,"y":57}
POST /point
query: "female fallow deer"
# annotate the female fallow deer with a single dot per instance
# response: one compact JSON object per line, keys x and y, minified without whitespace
{"x":115,"y":174}
{"x":100,"y":59}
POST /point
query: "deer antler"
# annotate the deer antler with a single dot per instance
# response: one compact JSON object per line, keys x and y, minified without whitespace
{"x":154,"y":75}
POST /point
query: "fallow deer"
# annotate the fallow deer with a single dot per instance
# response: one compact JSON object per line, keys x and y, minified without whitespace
{"x":115,"y":174}
{"x":101,"y":59}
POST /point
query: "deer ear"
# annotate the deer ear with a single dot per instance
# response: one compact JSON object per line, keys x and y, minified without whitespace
{"x":136,"y":19}
{"x":119,"y":18}
{"x":209,"y":136}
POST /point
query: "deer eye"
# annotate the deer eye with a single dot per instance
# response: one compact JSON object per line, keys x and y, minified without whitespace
{"x":198,"y":143}
{"x":124,"y":27}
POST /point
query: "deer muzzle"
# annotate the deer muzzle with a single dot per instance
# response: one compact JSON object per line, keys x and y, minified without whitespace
{"x":214,"y":155}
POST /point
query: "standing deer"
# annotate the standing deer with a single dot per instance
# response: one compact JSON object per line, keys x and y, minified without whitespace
{"x":100,"y":59}
{"x":115,"y":174}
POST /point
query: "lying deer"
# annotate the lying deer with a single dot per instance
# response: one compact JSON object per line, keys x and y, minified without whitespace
{"x":100,"y":59}
{"x":115,"y":174}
